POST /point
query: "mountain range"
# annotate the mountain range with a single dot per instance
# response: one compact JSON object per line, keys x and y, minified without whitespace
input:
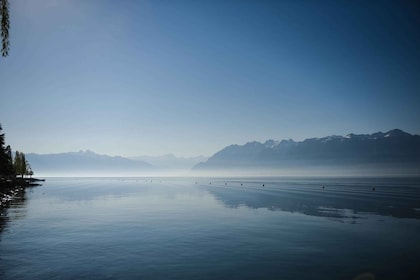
{"x":391,"y":153}
{"x":394,"y":151}
{"x":84,"y":163}
{"x":88,"y":163}
{"x":170,"y":161}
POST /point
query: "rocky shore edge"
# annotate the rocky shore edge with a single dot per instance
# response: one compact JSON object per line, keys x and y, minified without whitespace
{"x":9,"y":188}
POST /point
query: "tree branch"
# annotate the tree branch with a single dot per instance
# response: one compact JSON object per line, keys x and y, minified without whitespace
{"x":5,"y":25}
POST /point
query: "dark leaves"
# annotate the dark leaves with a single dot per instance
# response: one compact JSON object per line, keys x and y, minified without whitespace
{"x":5,"y":25}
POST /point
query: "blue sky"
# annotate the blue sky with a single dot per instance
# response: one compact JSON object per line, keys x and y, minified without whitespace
{"x":191,"y":77}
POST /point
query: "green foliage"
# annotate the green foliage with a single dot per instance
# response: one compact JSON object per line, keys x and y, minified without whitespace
{"x":6,"y":166}
{"x":8,"y":151}
{"x":5,"y":25}
{"x":10,"y":167}
{"x":21,"y":165}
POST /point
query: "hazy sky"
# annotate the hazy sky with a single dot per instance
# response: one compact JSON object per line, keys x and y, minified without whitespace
{"x":190,"y":77}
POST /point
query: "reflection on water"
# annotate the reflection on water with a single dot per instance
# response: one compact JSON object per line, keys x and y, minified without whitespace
{"x":339,"y":198}
{"x":131,"y":228}
{"x":16,"y":209}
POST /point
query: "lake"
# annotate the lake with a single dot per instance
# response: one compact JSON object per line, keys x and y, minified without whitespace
{"x":213,"y":228}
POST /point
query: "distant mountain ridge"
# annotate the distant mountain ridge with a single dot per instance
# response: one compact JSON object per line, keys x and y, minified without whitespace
{"x":390,"y":152}
{"x":393,"y":148}
{"x":85,"y":163}
{"x":170,"y":161}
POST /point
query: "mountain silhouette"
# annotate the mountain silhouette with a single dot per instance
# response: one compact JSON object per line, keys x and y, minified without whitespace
{"x":394,"y":149}
{"x":85,"y":163}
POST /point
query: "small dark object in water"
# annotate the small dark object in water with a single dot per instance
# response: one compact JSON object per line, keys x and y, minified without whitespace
{"x":365,"y":276}
{"x":241,"y":184}
{"x":323,"y":187}
{"x":373,"y":189}
{"x":263,"y":185}
{"x":210,"y":183}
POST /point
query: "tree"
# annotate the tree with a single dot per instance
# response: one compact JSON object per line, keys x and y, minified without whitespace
{"x":2,"y":142}
{"x":9,"y":154}
{"x":5,"y":25}
{"x":6,"y":166}
{"x":20,"y":164}
{"x":17,"y":163}
{"x":9,"y":166}
{"x":30,"y":172}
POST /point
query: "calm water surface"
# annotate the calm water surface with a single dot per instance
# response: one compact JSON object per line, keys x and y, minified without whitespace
{"x":137,"y":228}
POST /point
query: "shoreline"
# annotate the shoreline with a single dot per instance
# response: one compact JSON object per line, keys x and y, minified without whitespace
{"x":9,"y":188}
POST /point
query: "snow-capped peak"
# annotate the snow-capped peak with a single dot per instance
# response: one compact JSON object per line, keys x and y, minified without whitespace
{"x":271,"y":143}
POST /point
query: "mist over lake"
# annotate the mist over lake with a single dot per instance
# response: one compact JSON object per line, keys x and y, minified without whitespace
{"x":207,"y":228}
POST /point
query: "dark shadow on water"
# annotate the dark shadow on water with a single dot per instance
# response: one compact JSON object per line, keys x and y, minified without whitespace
{"x":16,"y":207}
{"x":335,"y":200}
